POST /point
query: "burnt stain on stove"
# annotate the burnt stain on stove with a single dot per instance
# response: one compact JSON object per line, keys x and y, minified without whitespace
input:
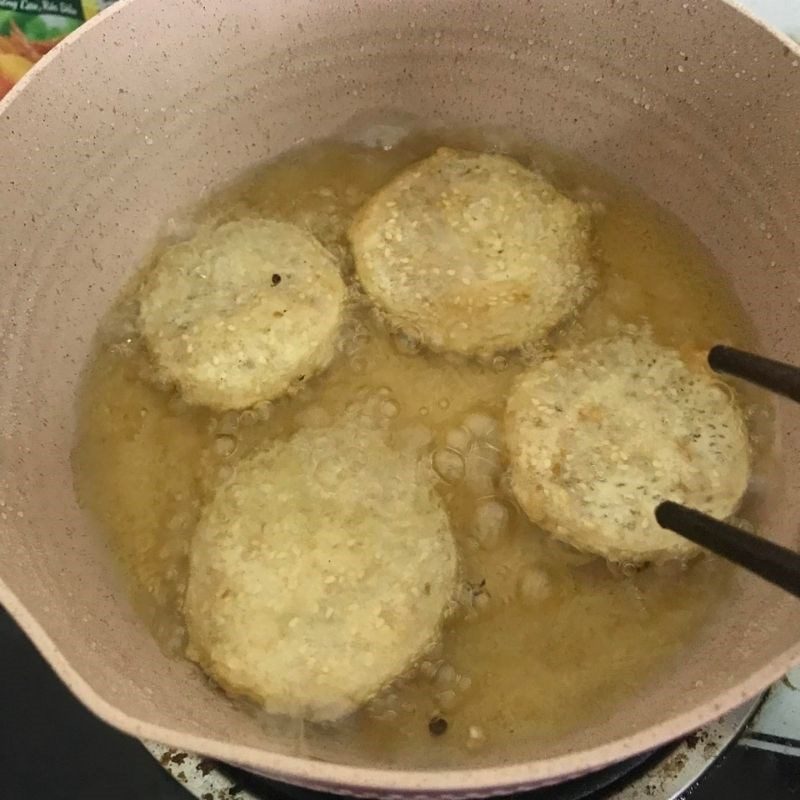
{"x":205,"y":766}
{"x":675,"y":765}
{"x":692,"y":740}
{"x":710,"y":750}
{"x":664,"y":770}
{"x":701,"y":738}
{"x":172,"y":757}
{"x":222,"y":794}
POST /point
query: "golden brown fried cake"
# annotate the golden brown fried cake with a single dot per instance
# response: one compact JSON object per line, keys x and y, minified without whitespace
{"x":473,"y":253}
{"x":319,"y":572}
{"x":600,"y":434}
{"x":243,"y":312}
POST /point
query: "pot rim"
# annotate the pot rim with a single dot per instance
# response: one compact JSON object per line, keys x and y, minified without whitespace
{"x":354,"y":779}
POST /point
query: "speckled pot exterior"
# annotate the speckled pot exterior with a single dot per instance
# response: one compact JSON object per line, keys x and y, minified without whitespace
{"x":153,"y":103}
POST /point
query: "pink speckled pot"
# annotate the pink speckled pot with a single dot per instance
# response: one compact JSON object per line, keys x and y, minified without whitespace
{"x":152,"y":103}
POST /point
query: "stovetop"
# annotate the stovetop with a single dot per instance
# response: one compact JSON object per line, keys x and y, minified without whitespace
{"x":52,"y":748}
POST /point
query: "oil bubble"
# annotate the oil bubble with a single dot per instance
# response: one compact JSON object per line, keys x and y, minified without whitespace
{"x":225,"y":445}
{"x":248,"y":418}
{"x":481,"y":425}
{"x":449,"y":465}
{"x":499,"y":363}
{"x":389,"y":409}
{"x":534,"y":585}
{"x":491,"y":521}
{"x":458,"y":439}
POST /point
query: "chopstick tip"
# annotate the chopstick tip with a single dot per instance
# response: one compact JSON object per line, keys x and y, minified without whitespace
{"x":662,"y":512}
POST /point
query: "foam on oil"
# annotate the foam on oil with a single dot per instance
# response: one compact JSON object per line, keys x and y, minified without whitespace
{"x":546,"y":640}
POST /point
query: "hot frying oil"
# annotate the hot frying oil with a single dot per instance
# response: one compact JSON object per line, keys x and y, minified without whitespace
{"x":546,"y":640}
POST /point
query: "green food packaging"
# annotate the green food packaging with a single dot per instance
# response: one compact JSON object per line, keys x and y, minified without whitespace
{"x":31,"y":28}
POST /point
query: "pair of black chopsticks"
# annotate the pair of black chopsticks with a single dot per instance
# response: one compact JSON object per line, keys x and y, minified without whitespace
{"x":774,"y":563}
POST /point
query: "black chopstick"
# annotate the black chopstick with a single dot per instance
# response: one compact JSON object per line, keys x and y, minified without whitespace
{"x":773,"y":375}
{"x":774,"y":563}
{"x":770,"y":561}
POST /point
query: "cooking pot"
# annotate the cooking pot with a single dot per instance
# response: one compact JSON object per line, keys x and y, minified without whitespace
{"x":152,"y":104}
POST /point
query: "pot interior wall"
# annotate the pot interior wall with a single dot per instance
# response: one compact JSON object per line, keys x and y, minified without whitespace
{"x":142,"y":114}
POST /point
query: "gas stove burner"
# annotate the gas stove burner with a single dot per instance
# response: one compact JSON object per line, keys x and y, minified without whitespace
{"x":661,"y":775}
